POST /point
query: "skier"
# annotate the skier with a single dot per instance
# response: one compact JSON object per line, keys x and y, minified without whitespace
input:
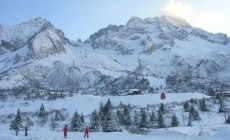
{"x":65,"y":129}
{"x":86,"y":132}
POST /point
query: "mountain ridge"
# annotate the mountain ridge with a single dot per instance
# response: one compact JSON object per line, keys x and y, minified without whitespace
{"x":150,"y":52}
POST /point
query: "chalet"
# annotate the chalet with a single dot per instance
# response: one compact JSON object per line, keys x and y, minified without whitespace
{"x":223,"y":94}
{"x":134,"y":92}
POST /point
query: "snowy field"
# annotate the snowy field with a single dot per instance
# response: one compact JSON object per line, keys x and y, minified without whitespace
{"x":153,"y":135}
{"x":210,"y":128}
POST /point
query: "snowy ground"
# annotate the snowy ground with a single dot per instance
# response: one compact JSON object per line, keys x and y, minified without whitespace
{"x":210,"y":128}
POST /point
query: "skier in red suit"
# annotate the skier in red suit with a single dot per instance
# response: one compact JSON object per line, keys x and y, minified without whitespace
{"x":86,"y":132}
{"x":65,"y":130}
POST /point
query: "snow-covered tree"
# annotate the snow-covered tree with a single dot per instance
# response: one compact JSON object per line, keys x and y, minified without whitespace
{"x":16,"y":124}
{"x":194,"y":113}
{"x":119,"y":116}
{"x":196,"y":116}
{"x":144,"y":122}
{"x":203,"y":106}
{"x":152,"y":119}
{"x":108,"y":120}
{"x":174,"y":121}
{"x":17,"y":58}
{"x":136,"y":118}
{"x":228,"y":119}
{"x":160,"y":121}
{"x":53,"y":123}
{"x":126,"y":119}
{"x":95,"y":122}
{"x":186,"y":107}
{"x":221,"y":108}
{"x":109,"y":124}
{"x":43,"y":115}
{"x":190,"y":118}
{"x":101,"y":110}
{"x":82,"y":118}
{"x":105,"y":110}
{"x":76,"y":123}
{"x":162,"y":108}
{"x":218,"y":96}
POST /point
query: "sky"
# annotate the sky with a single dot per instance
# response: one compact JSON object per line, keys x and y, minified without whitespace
{"x":81,"y":18}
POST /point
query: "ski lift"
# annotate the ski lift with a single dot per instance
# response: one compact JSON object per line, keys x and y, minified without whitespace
{"x":163,"y":96}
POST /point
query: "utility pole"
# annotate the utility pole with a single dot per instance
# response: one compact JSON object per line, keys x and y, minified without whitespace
{"x":140,"y":67}
{"x":73,"y":76}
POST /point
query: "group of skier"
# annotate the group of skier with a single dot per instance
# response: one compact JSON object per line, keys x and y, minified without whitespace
{"x":86,"y":131}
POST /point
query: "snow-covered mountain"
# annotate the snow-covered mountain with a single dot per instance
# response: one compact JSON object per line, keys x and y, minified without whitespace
{"x":153,"y":52}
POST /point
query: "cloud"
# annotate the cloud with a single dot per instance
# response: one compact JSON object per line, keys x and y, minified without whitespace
{"x":177,"y":8}
{"x":207,"y":18}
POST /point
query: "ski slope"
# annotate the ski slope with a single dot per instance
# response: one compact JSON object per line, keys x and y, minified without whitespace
{"x":212,"y":128}
{"x":87,"y":103}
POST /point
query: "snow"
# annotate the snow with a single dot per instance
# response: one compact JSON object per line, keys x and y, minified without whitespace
{"x":154,"y":134}
{"x":78,"y":102}
{"x":208,"y":129}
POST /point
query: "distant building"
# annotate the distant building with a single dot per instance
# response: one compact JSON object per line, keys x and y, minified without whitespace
{"x":134,"y":92}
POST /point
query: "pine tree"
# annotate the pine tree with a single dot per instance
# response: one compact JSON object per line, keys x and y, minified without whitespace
{"x":203,"y":106}
{"x":192,"y":101}
{"x":194,"y":113}
{"x":95,"y":122}
{"x":119,"y":116}
{"x":101,"y":111}
{"x":221,"y":108}
{"x":186,"y":107}
{"x":53,"y":123}
{"x":144,"y":122}
{"x":196,"y":116}
{"x":136,"y":118}
{"x":108,"y":104}
{"x":105,"y":110}
{"x":152,"y":119}
{"x":174,"y":122}
{"x":228,"y":119}
{"x":190,"y":118}
{"x":82,"y":118}
{"x":76,"y":123}
{"x":16,"y":124}
{"x":121,"y":105}
{"x":108,"y":120}
{"x":43,"y":115}
{"x":160,"y":120}
{"x":126,"y":119}
{"x":218,"y":96}
{"x":162,"y":108}
{"x":129,"y":106}
{"x":110,"y":124}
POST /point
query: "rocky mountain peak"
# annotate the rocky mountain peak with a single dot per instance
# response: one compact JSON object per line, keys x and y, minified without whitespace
{"x":135,"y":20}
{"x":38,"y":34}
{"x":37,"y":22}
{"x":169,"y":20}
